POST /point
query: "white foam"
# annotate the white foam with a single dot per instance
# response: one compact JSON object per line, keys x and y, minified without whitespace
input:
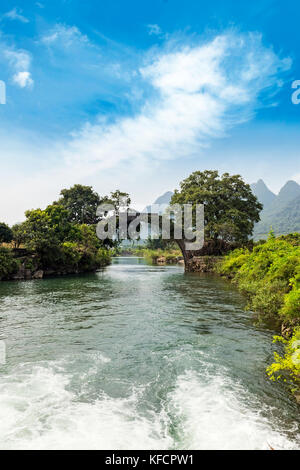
{"x":37,"y":411}
{"x":99,"y":358}
{"x":217,"y":414}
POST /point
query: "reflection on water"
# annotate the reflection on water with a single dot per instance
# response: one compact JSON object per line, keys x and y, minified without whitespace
{"x":137,"y":356}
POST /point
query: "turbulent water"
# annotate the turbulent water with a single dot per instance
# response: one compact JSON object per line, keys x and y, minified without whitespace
{"x":137,"y":357}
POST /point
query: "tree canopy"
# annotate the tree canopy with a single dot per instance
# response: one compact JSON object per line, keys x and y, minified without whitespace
{"x":60,"y":243}
{"x":19,"y":234}
{"x":47,"y":228}
{"x":6,"y":234}
{"x":120,"y":200}
{"x":81,"y":202}
{"x":62,"y":238}
{"x":230,"y":207}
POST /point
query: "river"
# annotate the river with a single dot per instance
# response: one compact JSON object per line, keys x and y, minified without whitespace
{"x":137,"y":357}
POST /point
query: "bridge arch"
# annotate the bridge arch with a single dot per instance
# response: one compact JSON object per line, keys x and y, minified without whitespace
{"x":122,"y":229}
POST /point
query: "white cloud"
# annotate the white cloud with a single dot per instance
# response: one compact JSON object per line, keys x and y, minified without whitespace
{"x":195,"y":93}
{"x":199,"y":93}
{"x":19,"y":61}
{"x":23,"y":79}
{"x":154,"y":29}
{"x":16,"y":14}
{"x":65,"y":36}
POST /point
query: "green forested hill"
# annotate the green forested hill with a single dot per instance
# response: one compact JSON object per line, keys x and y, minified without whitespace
{"x":263,"y":194}
{"x":282,"y":213}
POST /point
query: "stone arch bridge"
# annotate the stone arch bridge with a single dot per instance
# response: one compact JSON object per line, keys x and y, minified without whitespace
{"x":202,"y":259}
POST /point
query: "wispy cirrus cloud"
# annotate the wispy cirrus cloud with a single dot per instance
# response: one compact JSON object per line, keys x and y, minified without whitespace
{"x":199,"y":92}
{"x":64,"y":36}
{"x":190,"y":92}
{"x":16,"y":14}
{"x":96,"y":72}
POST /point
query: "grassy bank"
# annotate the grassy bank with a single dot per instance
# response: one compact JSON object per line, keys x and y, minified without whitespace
{"x":269,"y":275}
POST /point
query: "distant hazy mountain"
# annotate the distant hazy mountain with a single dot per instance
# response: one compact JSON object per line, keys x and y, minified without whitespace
{"x":164,"y":199}
{"x":288,"y":192}
{"x":281,"y":212}
{"x":263,"y":194}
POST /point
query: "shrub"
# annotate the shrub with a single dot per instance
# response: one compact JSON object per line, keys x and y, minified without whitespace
{"x":70,"y":255}
{"x":287,"y":366}
{"x":291,"y":305}
{"x":233,"y":262}
{"x":8,"y":264}
{"x":270,"y":277}
{"x":6,"y":234}
{"x":153,"y":255}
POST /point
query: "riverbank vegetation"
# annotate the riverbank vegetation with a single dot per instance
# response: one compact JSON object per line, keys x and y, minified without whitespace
{"x":160,"y":256}
{"x":60,"y":239}
{"x":155,"y":251}
{"x":269,"y":275}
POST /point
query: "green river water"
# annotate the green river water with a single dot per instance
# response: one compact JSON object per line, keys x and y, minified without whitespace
{"x":137,"y":357}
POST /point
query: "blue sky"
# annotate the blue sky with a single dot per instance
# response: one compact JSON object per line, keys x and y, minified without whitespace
{"x":137,"y":94}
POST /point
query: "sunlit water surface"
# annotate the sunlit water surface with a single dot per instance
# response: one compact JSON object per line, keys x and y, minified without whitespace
{"x":137,"y":357}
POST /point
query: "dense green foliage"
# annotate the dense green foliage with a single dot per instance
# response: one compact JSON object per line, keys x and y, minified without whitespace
{"x":6,"y":234}
{"x":62,"y":244}
{"x":8,"y":264}
{"x":81,"y":203}
{"x":270,"y":276}
{"x":230,"y":207}
{"x":19,"y":234}
{"x":287,"y":367}
{"x":45,"y":229}
{"x":61,"y":238}
{"x":55,"y":239}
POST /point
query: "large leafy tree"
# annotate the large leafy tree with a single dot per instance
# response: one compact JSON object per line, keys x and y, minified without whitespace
{"x":6,"y":235}
{"x":61,"y":244}
{"x":19,"y":234}
{"x":81,"y":202}
{"x":46,"y":229}
{"x":119,"y":200}
{"x":230,"y":207}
